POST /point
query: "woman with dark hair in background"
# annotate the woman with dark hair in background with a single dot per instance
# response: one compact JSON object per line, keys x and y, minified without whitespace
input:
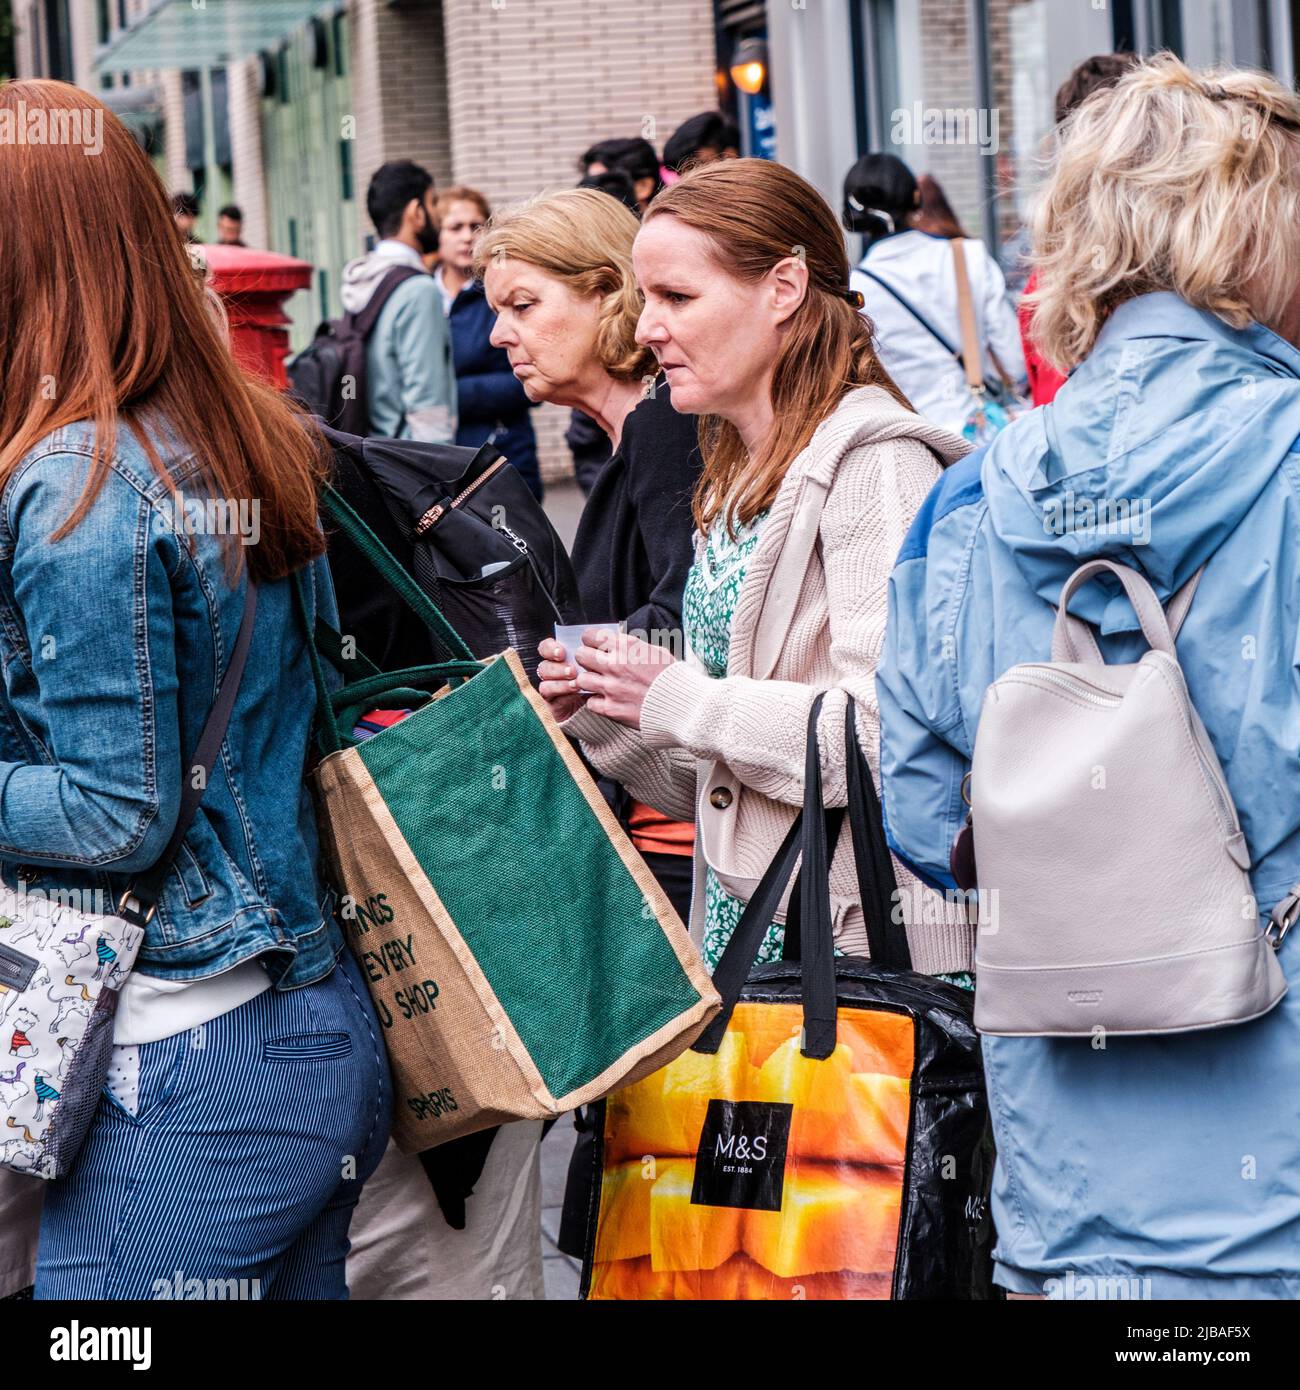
{"x":702,"y":139}
{"x":908,"y":279}
{"x":617,"y":184}
{"x":934,"y":215}
{"x":636,"y":158}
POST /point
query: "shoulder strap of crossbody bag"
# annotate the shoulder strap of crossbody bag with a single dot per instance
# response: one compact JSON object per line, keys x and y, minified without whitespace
{"x":915,"y":313}
{"x":808,"y":835}
{"x":970,"y":338}
{"x":969,"y":331}
{"x":140,"y":900}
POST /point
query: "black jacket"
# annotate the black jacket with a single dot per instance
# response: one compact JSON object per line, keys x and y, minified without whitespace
{"x":633,"y":548}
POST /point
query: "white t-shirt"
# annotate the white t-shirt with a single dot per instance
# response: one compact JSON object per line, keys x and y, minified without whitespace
{"x":448,"y":299}
{"x":921,"y":268}
{"x":149,"y":1009}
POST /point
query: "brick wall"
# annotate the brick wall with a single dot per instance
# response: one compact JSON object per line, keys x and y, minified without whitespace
{"x":533,"y":83}
{"x":399,"y":92}
{"x":948,"y":82}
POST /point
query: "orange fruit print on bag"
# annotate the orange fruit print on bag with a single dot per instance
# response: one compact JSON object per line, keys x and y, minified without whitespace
{"x":757,"y":1173}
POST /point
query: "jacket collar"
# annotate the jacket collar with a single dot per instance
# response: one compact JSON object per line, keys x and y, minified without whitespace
{"x":1162,"y":314}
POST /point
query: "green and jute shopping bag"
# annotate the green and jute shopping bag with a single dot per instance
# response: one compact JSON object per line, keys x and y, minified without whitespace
{"x":521,"y":957}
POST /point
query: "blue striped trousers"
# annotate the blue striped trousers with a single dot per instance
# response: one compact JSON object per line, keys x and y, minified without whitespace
{"x":238,"y":1174}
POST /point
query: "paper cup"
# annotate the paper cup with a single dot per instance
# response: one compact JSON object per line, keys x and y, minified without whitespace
{"x":569,"y":636}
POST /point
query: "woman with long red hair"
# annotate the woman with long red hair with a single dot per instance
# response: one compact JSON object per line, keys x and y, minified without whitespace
{"x":145,"y":483}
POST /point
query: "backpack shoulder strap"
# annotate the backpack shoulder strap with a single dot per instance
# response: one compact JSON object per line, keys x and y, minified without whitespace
{"x":1072,"y":638}
{"x":364,"y":320}
{"x":1177,"y":608}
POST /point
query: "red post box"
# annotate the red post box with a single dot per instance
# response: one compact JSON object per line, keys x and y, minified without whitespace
{"x":253,"y":285}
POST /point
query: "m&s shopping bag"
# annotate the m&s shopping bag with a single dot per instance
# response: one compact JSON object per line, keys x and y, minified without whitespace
{"x":826,"y":1137}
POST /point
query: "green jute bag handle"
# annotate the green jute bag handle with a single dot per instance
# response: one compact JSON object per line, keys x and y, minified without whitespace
{"x":365,"y":682}
{"x":412,"y":683}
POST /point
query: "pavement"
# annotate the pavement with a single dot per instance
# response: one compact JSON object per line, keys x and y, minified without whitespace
{"x":563,"y":503}
{"x":561,"y":1272}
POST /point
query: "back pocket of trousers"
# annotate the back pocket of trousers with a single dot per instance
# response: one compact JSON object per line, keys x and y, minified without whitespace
{"x":307,"y":1047}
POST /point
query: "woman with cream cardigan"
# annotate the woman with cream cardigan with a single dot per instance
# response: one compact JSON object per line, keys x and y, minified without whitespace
{"x":814,"y":466}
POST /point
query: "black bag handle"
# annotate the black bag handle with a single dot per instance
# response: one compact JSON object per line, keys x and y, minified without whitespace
{"x":820,"y":1010}
{"x":877,"y":887}
{"x":138,"y":904}
{"x":814,"y":829}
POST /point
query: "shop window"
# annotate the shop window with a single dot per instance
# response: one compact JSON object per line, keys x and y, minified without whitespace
{"x":195,"y":125}
{"x":346,"y":189}
{"x":58,"y":41}
{"x":221,"y":151}
{"x":340,"y":40}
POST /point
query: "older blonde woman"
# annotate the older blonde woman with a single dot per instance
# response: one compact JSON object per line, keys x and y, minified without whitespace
{"x":1167,"y":246}
{"x":558,"y":273}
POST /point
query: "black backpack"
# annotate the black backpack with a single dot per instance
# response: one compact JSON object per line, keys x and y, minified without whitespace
{"x":329,"y":376}
{"x":448,"y":513}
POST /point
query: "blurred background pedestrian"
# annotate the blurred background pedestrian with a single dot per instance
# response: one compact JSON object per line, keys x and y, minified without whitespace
{"x":230,"y":226}
{"x":491,"y":404}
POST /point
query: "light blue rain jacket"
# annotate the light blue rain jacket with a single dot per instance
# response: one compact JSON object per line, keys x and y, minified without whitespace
{"x":1155,"y":1167}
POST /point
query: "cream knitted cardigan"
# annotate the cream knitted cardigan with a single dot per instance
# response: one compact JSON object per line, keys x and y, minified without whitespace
{"x":729,"y":753}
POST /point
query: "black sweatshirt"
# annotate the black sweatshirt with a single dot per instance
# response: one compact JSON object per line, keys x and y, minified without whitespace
{"x":633,"y":547}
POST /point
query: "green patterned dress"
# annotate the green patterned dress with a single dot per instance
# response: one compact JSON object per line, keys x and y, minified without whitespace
{"x":708,"y":606}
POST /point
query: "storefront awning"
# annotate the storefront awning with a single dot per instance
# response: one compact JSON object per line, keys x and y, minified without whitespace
{"x":181,"y":34}
{"x":140,"y":109}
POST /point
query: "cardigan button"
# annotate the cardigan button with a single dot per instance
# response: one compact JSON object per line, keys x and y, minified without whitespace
{"x":720,"y":798}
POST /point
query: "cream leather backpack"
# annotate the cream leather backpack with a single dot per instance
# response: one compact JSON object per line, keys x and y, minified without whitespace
{"x":1114,"y":892}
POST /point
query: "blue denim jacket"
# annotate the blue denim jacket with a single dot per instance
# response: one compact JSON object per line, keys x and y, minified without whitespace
{"x":112,"y":640}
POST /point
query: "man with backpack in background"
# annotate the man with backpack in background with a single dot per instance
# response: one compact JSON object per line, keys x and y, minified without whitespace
{"x":394,"y":304}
